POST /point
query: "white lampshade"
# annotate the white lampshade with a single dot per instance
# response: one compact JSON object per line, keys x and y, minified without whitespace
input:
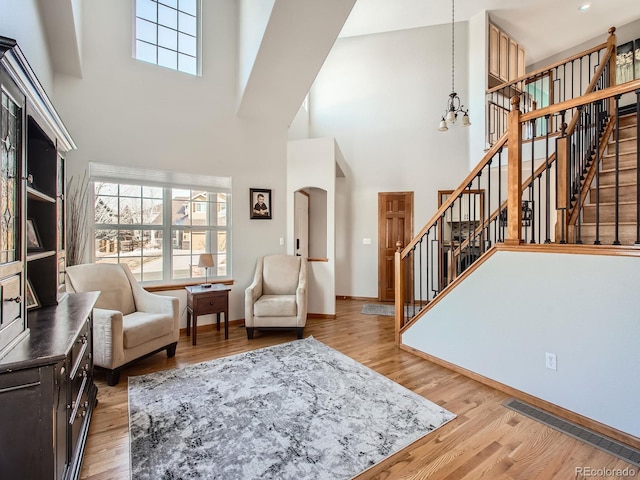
{"x":443,"y":126}
{"x":465,"y":120}
{"x":451,"y":117}
{"x":206,"y":260}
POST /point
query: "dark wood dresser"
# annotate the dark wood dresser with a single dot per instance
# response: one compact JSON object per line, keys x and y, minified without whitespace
{"x":47,"y":394}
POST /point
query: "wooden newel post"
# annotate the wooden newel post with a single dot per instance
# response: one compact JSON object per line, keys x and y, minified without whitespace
{"x":562,"y":193}
{"x":399,"y":290}
{"x":514,"y":176}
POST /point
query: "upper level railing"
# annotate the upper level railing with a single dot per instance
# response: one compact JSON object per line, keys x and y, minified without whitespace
{"x":562,"y":81}
{"x":493,"y":204}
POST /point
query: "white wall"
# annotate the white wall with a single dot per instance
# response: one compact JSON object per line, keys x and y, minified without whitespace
{"x":381,"y":96}
{"x":21,"y":20}
{"x":133,"y":113}
{"x":583,"y":308}
{"x":478,"y":58}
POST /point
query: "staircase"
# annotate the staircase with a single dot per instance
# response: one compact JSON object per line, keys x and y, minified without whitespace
{"x":554,"y":205}
{"x":627,"y":191}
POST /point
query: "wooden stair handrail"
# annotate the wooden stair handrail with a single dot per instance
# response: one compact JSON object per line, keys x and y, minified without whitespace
{"x":492,"y":216}
{"x":454,"y":195}
{"x":592,"y":97}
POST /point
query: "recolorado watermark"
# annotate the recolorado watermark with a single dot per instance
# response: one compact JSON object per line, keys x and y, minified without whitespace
{"x":606,"y":472}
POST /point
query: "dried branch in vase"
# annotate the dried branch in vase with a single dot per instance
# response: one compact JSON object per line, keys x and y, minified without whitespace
{"x":77,"y":224}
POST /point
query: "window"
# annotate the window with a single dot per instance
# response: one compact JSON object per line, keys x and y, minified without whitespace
{"x":160,"y":230}
{"x":167,"y":33}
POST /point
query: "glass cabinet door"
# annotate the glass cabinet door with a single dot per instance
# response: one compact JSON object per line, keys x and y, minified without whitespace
{"x":12,"y":314}
{"x":10,"y":136}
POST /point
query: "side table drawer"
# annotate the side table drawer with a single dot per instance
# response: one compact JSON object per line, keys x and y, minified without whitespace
{"x":210,"y":303}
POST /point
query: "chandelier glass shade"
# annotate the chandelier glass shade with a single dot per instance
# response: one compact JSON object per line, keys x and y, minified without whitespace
{"x":454,"y":104}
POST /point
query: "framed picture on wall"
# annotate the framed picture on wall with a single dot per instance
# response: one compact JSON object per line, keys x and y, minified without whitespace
{"x":260,"y":204}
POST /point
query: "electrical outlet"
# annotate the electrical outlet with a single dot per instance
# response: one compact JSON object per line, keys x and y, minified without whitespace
{"x":551,"y":361}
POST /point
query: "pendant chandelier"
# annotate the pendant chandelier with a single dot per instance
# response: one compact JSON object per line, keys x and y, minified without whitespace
{"x":454,"y":104}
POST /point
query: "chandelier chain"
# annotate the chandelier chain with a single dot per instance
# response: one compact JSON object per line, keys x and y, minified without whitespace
{"x":453,"y":47}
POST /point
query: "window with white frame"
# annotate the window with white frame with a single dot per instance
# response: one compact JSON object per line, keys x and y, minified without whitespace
{"x":159,"y":229}
{"x":167,"y":33}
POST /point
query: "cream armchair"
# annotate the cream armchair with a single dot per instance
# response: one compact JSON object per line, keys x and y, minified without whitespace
{"x":129,"y":323}
{"x":277,"y":297}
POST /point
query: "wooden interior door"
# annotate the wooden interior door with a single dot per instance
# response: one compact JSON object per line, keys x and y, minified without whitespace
{"x":395,"y":223}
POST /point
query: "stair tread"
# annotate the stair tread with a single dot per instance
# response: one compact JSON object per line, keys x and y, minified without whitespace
{"x":628,"y":139}
{"x":603,"y":204}
{"x":608,"y":224}
{"x":621,"y":153}
{"x":624,"y":167}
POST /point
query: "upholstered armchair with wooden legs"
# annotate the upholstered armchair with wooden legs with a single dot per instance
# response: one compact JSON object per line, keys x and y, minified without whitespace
{"x":129,"y":323}
{"x":277,"y":297}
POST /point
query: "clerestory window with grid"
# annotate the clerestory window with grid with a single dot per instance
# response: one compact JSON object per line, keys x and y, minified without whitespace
{"x":167,"y":33}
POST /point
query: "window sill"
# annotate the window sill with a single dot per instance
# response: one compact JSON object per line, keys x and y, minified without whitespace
{"x":179,"y":286}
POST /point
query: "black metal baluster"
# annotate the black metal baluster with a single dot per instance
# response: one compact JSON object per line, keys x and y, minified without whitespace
{"x":531,"y":186}
{"x":597,"y":240}
{"x":428,"y":270}
{"x":420,"y":270}
{"x":450,"y":264}
{"x":405,"y":300}
{"x":548,"y":178}
{"x":487,"y":207}
{"x":537,"y":216}
{"x":468,"y":226}
{"x":500,"y":235}
{"x":617,"y":173}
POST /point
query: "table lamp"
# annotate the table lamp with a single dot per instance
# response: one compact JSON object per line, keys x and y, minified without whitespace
{"x":206,"y":261}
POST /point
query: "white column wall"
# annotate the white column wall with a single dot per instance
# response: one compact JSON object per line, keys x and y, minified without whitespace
{"x":312,"y":163}
{"x":381,"y":97}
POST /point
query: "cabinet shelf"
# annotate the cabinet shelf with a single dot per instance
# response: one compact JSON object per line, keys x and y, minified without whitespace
{"x":39,"y":255}
{"x":33,"y":194}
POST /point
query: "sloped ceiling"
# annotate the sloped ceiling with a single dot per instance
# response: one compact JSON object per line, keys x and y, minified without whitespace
{"x":62,"y":25}
{"x":296,"y":42}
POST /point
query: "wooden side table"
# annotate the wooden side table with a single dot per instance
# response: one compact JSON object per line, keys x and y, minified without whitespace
{"x":205,"y":301}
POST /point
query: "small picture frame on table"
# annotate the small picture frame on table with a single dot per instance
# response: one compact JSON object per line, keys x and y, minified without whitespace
{"x":32,"y":299}
{"x":260,"y":204}
{"x":34,"y":244}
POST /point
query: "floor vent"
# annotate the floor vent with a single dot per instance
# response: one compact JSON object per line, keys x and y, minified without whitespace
{"x":606,"y":444}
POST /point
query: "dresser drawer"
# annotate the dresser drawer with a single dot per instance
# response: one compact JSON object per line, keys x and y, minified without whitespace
{"x":210,"y":303}
{"x":80,"y":352}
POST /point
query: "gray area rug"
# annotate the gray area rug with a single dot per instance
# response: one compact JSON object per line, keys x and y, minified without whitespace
{"x":379,"y":309}
{"x":298,"y":410}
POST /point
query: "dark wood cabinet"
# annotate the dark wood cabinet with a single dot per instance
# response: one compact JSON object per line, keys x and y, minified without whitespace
{"x":33,"y":142}
{"x":47,"y":392}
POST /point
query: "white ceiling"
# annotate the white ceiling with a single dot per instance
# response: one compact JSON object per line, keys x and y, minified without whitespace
{"x":544,"y":27}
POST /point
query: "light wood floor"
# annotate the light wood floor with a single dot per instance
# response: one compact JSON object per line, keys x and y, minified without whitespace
{"x":486,"y":440}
